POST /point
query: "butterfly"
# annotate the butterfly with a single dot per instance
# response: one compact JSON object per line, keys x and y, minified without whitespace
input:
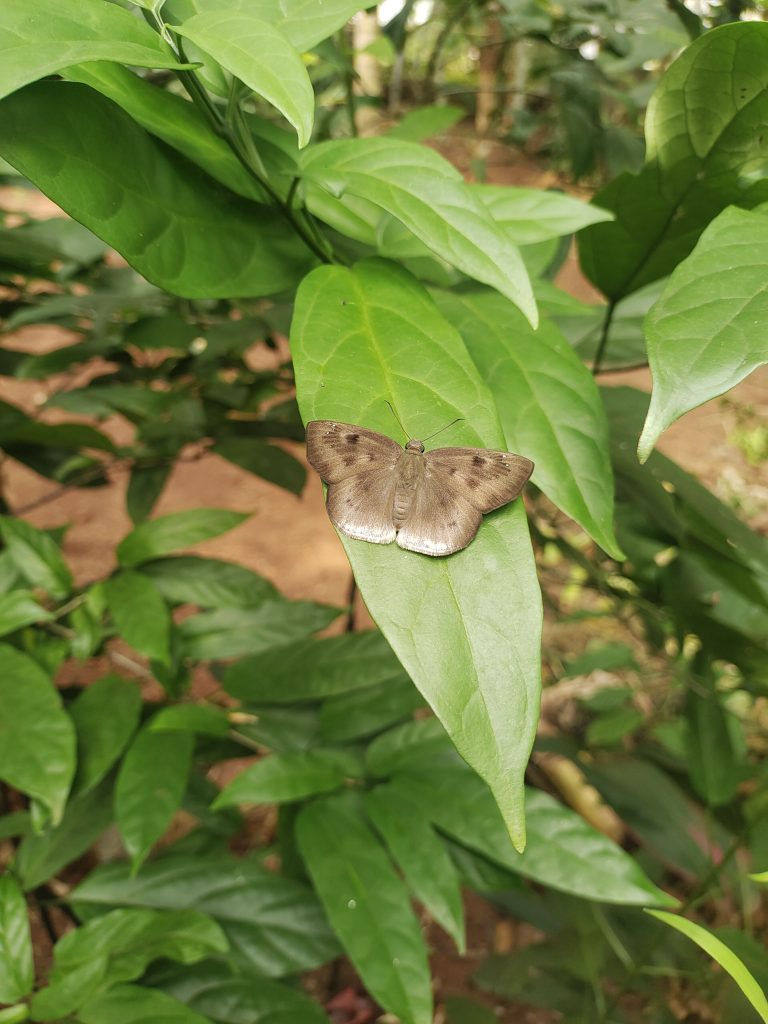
{"x":429,"y":502}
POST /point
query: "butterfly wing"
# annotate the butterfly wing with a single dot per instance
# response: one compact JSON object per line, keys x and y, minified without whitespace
{"x":340,"y":450}
{"x":459,"y":485}
{"x":359,"y":467}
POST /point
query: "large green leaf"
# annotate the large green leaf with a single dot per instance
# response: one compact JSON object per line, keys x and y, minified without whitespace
{"x":532,"y":215}
{"x":233,"y":632}
{"x":420,"y":188}
{"x":17,"y":972}
{"x":259,"y":55}
{"x":548,"y":404}
{"x":37,"y":738}
{"x":284,"y":777}
{"x":274,"y":925}
{"x":150,"y":785}
{"x":465,"y":627}
{"x":208,"y":582}
{"x":39,"y":39}
{"x":708,"y":329}
{"x":140,"y":614}
{"x":167,"y":534}
{"x":87,"y":155}
{"x":133,"y":1004}
{"x":105,"y":714}
{"x":367,"y":904}
{"x":563,"y":851}
{"x":19,"y":609}
{"x":706,"y":149}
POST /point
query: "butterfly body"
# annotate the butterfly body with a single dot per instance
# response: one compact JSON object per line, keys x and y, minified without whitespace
{"x":432,"y":502}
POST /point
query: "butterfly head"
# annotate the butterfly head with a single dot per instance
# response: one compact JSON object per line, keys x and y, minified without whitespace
{"x":415,"y":446}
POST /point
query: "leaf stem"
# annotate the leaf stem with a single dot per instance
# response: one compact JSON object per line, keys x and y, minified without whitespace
{"x":602,"y":346}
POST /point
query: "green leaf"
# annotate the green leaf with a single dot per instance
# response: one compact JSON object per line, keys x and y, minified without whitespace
{"x":273,"y":924}
{"x":37,"y":738}
{"x":704,"y":140}
{"x":354,"y":715}
{"x":265,"y":460}
{"x":412,"y":741}
{"x":167,"y":534}
{"x":150,"y":784}
{"x":105,"y":714}
{"x":87,"y":155}
{"x":610,"y":728}
{"x":208,"y":582}
{"x":39,"y":41}
{"x":261,"y":57}
{"x":17,"y":972}
{"x":19,"y":609}
{"x":132,"y":1004}
{"x":532,"y":215}
{"x":212,"y":989}
{"x":140,"y":615}
{"x":368,"y":907}
{"x":280,"y":778}
{"x":548,"y":403}
{"x":427,"y":194}
{"x":466,"y":627}
{"x":233,"y":632}
{"x":421,"y":856}
{"x":712,"y":757}
{"x":42,"y":855}
{"x":563,"y":851}
{"x":200,"y":718}
{"x":424,"y":122}
{"x":721,"y":954}
{"x":145,"y":486}
{"x":37,"y":556}
{"x":313,"y":669}
{"x":706,"y":332}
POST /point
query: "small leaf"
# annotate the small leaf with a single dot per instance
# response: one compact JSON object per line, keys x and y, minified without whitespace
{"x":37,"y":557}
{"x":19,"y":609}
{"x":145,"y":486}
{"x":200,"y":718}
{"x":233,"y":632}
{"x":368,"y":907}
{"x":150,"y":786}
{"x":208,"y":582}
{"x":721,"y":954}
{"x":167,"y":534}
{"x":280,"y":778}
{"x":17,"y":974}
{"x":37,"y":738}
{"x":425,"y":122}
{"x":259,"y":55}
{"x":105,"y":714}
{"x":265,"y":460}
{"x":140,"y":614}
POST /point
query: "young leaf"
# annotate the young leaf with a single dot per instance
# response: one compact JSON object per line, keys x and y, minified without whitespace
{"x":169,"y":533}
{"x":466,"y":628}
{"x":706,"y":332}
{"x":261,"y":57}
{"x":37,"y":556}
{"x":37,"y":738}
{"x":105,"y":714}
{"x":279,"y":778}
{"x":720,"y":953}
{"x":207,"y":243}
{"x":133,"y":1004}
{"x":17,"y":972}
{"x":140,"y":614}
{"x":305,"y":23}
{"x":38,"y":42}
{"x":274,"y":925}
{"x":548,"y":403}
{"x":420,"y":188}
{"x":420,"y":855}
{"x":368,"y":907}
{"x":150,"y":785}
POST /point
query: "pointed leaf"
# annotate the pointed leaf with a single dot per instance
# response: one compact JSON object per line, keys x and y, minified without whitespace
{"x":466,"y":628}
{"x":133,"y":1004}
{"x":17,"y":973}
{"x":140,"y":614}
{"x":233,"y":632}
{"x":105,"y":714}
{"x":37,"y":556}
{"x":167,"y":534}
{"x":19,"y":609}
{"x":283,"y":777}
{"x":421,"y":189}
{"x":208,"y":582}
{"x":532,"y":215}
{"x":707,"y":331}
{"x":368,"y":907}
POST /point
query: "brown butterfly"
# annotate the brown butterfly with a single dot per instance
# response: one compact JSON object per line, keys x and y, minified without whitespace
{"x":432,"y":503}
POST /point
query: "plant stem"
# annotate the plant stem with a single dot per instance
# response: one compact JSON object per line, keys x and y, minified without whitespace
{"x":598,"y":361}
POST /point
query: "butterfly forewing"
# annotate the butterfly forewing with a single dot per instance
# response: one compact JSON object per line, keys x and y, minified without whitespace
{"x":340,"y":450}
{"x":361,"y":506}
{"x":487,"y":479}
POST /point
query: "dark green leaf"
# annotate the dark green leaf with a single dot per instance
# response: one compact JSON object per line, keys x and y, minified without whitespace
{"x":368,"y":907}
{"x":364,"y":712}
{"x":413,"y":741}
{"x":140,"y":615}
{"x":130,"y":1004}
{"x":200,"y":718}
{"x":208,"y":582}
{"x":265,"y":460}
{"x":167,"y":534}
{"x":37,"y":738}
{"x":280,"y":778}
{"x":17,"y":972}
{"x":206,"y":243}
{"x":145,"y":486}
{"x":105,"y":714}
{"x":465,"y":627}
{"x":37,"y":556}
{"x":150,"y":785}
{"x":274,"y":925}
{"x":712,"y":753}
{"x":233,"y":632}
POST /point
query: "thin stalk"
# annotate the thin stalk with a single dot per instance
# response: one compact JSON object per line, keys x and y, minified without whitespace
{"x":599,"y":355}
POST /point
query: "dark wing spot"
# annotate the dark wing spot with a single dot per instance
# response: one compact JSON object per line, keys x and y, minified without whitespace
{"x":349,"y":460}
{"x":452,"y":522}
{"x":371,"y":457}
{"x":453,"y":471}
{"x":353,"y":438}
{"x":473,"y":481}
{"x":478,"y":460}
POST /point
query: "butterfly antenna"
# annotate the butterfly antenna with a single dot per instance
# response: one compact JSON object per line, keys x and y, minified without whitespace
{"x":407,"y":435}
{"x":457,"y":420}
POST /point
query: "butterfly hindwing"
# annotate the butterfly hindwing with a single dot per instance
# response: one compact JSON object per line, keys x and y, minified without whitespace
{"x":441,"y":520}
{"x":341,"y":450}
{"x":487,"y":479}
